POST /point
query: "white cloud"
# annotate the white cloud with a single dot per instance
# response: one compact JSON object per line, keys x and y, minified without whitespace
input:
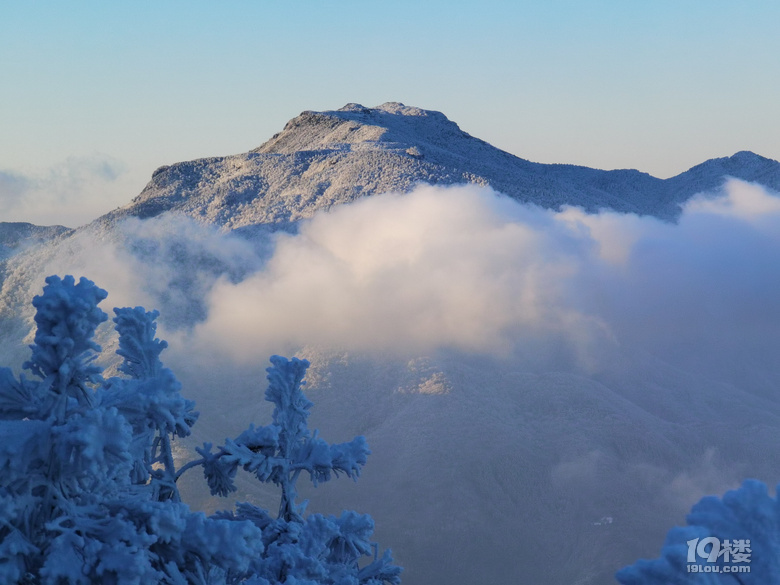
{"x":466,"y":268}
{"x":460,"y":267}
{"x":68,"y":193}
{"x":633,"y":365}
{"x":743,"y":200}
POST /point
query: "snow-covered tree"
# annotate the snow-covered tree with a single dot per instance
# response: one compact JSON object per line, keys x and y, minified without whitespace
{"x":88,"y":480}
{"x":733,"y":540}
{"x":316,"y":549}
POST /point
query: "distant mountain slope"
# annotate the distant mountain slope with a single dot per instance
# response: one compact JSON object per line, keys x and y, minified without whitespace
{"x":17,"y":236}
{"x":708,"y":175}
{"x":322,"y":159}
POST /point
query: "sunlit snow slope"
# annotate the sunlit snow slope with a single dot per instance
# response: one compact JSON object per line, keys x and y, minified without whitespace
{"x":322,"y":159}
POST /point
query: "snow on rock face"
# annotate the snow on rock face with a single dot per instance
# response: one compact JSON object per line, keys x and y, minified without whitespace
{"x":17,"y":236}
{"x":321,"y":159}
{"x":353,"y":124}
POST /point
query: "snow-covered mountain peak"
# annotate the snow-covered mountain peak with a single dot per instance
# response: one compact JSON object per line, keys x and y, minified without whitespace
{"x":746,"y":155}
{"x":395,"y":108}
{"x":745,"y":165}
{"x":322,"y":159}
{"x":740,"y":160}
{"x":354,"y":124}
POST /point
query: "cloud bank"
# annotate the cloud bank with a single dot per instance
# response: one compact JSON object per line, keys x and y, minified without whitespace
{"x":577,"y":367}
{"x":66,"y":194}
{"x":468,"y":269}
{"x":461,"y":267}
{"x":464,"y":269}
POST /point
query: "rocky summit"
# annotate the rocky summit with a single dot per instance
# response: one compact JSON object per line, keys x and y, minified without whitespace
{"x":321,"y":159}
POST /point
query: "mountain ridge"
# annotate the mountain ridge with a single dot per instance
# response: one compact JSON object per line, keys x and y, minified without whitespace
{"x":18,"y":235}
{"x":321,"y":159}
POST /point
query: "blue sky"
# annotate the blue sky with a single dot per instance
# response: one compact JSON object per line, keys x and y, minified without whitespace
{"x":96,"y":95}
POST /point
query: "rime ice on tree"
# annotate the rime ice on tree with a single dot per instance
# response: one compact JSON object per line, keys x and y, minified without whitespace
{"x":88,"y":481}
{"x":317,"y":549}
{"x":730,"y":540}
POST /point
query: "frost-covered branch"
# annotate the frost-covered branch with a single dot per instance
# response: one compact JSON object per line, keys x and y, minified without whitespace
{"x":88,"y":480}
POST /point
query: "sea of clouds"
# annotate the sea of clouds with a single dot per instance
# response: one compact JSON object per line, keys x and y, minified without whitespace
{"x":465,"y":268}
{"x":462,"y":268}
{"x":541,"y":389}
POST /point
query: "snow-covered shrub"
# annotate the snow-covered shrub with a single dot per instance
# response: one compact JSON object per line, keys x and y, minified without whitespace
{"x":88,"y":481}
{"x":735,"y":540}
